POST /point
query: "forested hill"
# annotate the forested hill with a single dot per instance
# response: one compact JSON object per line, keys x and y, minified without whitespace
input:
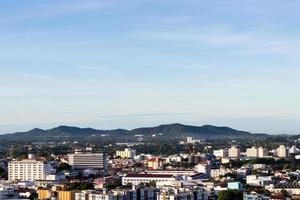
{"x":166,"y":130}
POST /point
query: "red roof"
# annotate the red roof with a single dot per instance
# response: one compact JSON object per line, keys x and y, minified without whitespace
{"x":154,"y":159}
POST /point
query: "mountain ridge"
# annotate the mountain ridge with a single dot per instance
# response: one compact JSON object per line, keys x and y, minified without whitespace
{"x":166,"y":130}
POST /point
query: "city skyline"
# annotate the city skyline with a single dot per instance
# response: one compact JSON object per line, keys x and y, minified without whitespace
{"x":116,"y":64}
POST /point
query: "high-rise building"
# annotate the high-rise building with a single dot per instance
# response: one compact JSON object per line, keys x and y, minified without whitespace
{"x":262,"y":152}
{"x":282,"y":151}
{"x":234,"y":152}
{"x":252,"y":152}
{"x":127,"y":153}
{"x":82,"y":161}
{"x":28,"y":169}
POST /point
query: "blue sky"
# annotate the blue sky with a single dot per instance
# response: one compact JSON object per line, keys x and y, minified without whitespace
{"x":126,"y":64}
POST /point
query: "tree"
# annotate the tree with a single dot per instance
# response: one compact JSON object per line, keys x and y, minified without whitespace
{"x":63,"y":166}
{"x":230,"y":195}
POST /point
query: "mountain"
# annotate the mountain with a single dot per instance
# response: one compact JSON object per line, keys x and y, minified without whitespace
{"x":177,"y":130}
{"x":166,"y":130}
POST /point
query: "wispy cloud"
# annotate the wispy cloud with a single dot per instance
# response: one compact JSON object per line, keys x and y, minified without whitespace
{"x":252,"y":42}
{"x":56,"y":8}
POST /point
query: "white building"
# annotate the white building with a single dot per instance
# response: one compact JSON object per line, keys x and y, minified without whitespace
{"x":234,"y":152}
{"x":127,"y":153}
{"x":203,"y":168}
{"x":293,"y":150}
{"x":254,"y":180}
{"x":168,"y":193}
{"x":259,"y":166}
{"x":87,"y":161}
{"x":221,"y":153}
{"x":136,"y":179}
{"x":28,"y":170}
{"x":282,"y":151}
{"x":262,"y":152}
{"x":191,"y":140}
{"x":173,"y":172}
{"x":252,"y":152}
{"x":216,"y":173}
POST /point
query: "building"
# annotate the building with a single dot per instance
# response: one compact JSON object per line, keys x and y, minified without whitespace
{"x":259,"y":166}
{"x":293,"y":150}
{"x":144,"y":193}
{"x":252,"y":152}
{"x":28,"y":170}
{"x":191,"y":140}
{"x":44,"y":194}
{"x":173,"y":172}
{"x":154,"y":163}
{"x":168,"y":193}
{"x":282,"y":151}
{"x":80,"y":161}
{"x":203,"y":168}
{"x":254,"y":180}
{"x":66,"y":195}
{"x":262,"y":152}
{"x":234,"y":186}
{"x":216,"y":173}
{"x":221,"y":153}
{"x":254,"y":196}
{"x":234,"y":152}
{"x":292,"y":189}
{"x":127,"y":153}
{"x":136,"y":179}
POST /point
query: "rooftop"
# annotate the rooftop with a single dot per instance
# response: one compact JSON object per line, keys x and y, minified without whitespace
{"x":150,"y":175}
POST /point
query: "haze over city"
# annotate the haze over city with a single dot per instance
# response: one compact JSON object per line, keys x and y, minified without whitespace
{"x":127,"y":64}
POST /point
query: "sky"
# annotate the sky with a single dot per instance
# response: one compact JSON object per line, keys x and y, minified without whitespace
{"x":125,"y":64}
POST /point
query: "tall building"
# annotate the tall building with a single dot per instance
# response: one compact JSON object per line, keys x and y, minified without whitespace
{"x":127,"y":153}
{"x":252,"y":152}
{"x":82,"y":161}
{"x":234,"y":152}
{"x":282,"y":151}
{"x":28,"y":169}
{"x":262,"y":152}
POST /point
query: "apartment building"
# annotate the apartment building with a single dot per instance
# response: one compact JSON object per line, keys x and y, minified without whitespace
{"x":80,"y":161}
{"x":28,"y":169}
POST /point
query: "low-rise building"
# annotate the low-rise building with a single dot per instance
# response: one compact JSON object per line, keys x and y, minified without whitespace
{"x":234,"y":152}
{"x":221,"y":153}
{"x":136,"y":179}
{"x":127,"y":153}
{"x":154,"y":163}
{"x":252,"y":152}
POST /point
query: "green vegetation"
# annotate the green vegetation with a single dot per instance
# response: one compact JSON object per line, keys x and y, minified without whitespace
{"x":230,"y":195}
{"x":81,"y":186}
{"x":3,"y":174}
